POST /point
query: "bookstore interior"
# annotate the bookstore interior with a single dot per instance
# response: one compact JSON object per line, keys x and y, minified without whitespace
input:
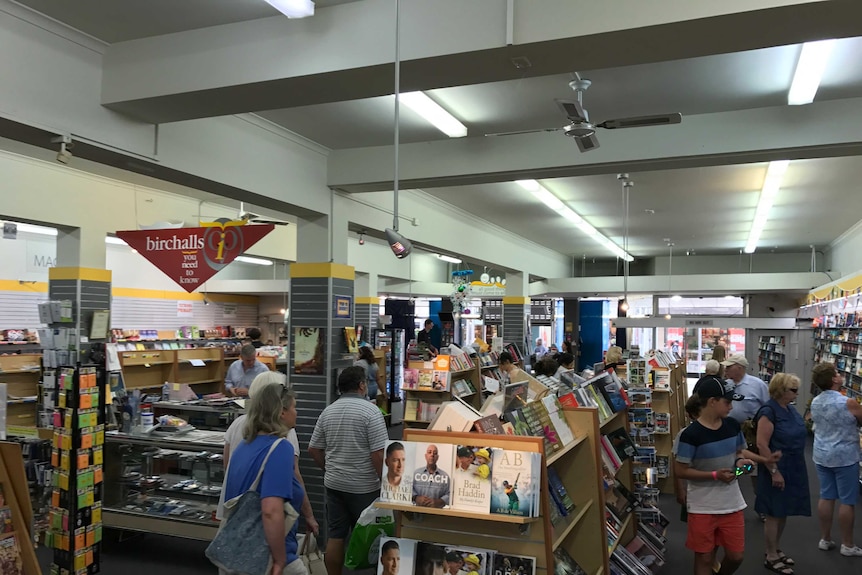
{"x":537,"y":307}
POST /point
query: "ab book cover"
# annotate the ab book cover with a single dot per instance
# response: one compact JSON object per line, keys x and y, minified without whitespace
{"x":515,"y":482}
{"x":471,"y":490}
{"x":397,"y":483}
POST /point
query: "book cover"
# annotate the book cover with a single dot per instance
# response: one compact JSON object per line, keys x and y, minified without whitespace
{"x":397,"y":556}
{"x":622,"y":443}
{"x":515,"y":482}
{"x":489,"y":424}
{"x":430,"y":559}
{"x":442,"y":362}
{"x":515,"y":395}
{"x":411,"y":379}
{"x":558,"y":420}
{"x":426,"y":380}
{"x":471,"y":480}
{"x":440,"y":380}
{"x":10,"y":557}
{"x":540,"y":422}
{"x":662,"y":422}
{"x":557,"y":487}
{"x":505,"y":564}
{"x":468,"y":560}
{"x":5,"y":520}
{"x":350,"y":339}
{"x":411,"y":409}
{"x":397,"y":483}
{"x":432,"y":474}
{"x":454,"y":416}
{"x":309,"y":345}
{"x":565,"y":565}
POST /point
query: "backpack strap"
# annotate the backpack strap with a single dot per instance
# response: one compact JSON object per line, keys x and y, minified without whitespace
{"x":262,"y":465}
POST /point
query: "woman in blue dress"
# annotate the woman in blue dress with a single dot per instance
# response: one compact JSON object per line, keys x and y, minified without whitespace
{"x":782,"y":488}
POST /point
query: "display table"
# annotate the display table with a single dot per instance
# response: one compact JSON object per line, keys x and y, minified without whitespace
{"x":164,"y":484}
{"x":201,"y":414}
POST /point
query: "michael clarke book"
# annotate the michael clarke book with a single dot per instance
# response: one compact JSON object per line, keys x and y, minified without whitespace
{"x":471,"y":479}
{"x":396,"y":485}
{"x":515,"y":482}
{"x":396,"y":557}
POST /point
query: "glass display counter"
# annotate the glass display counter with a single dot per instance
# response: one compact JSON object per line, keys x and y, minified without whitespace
{"x":164,"y":484}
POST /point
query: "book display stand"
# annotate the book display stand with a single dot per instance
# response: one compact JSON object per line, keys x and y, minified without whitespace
{"x":75,"y":532}
{"x":17,"y":556}
{"x":577,"y":466}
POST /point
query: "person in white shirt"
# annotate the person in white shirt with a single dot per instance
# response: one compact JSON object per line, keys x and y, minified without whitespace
{"x":540,"y":349}
{"x":233,"y":438}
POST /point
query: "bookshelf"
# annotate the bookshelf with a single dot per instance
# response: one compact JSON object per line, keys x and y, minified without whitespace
{"x":842,"y":347}
{"x":420,"y":404}
{"x":22,"y":375}
{"x":671,"y":401}
{"x":581,"y":534}
{"x":771,"y":357}
{"x":203,"y":368}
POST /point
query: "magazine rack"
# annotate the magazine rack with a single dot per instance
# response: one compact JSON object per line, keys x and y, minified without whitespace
{"x":578,"y":465}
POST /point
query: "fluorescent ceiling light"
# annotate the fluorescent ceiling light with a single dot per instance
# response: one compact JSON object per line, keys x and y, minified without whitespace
{"x":115,"y":241}
{"x":32,"y":229}
{"x":676,"y":298}
{"x":256,"y":261}
{"x":434,"y":113}
{"x":449,"y":259}
{"x":771,"y":185}
{"x":553,"y":202}
{"x":809,"y":71}
{"x":293,"y":8}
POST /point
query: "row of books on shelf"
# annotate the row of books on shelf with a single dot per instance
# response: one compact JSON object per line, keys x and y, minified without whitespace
{"x":469,"y":478}
{"x":846,"y":320}
{"x":399,"y":556}
{"x":850,"y":349}
{"x":842,"y":363}
{"x":663,"y":358}
{"x":604,"y":392}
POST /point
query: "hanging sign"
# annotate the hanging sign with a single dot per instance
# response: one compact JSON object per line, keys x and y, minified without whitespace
{"x":191,"y":256}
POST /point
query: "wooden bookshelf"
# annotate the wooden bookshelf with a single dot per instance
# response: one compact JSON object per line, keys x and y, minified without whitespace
{"x":471,"y":374}
{"x":152,"y":368}
{"x":456,"y":513}
{"x":21,"y":374}
{"x":670,"y":401}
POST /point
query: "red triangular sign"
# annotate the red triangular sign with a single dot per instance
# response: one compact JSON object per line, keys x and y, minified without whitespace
{"x":191,"y":256}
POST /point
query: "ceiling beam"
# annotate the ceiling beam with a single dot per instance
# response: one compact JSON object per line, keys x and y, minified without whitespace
{"x":821,"y":129}
{"x":346,"y":52}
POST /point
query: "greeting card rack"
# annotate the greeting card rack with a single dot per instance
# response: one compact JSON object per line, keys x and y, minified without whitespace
{"x":75,"y":532}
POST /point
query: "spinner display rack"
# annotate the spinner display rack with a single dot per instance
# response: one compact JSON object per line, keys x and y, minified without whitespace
{"x":75,"y":532}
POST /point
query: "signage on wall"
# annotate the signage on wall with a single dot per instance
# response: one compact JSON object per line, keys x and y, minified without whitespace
{"x":185,"y":309}
{"x":191,"y":256}
{"x":698,"y":322}
{"x":342,"y":306}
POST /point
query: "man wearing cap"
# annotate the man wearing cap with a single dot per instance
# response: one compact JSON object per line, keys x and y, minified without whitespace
{"x":754,"y":391}
{"x":707,"y":454}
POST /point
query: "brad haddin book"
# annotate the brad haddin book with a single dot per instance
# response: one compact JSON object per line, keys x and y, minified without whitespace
{"x":471,"y":480}
{"x":396,"y":485}
{"x":432,"y":474}
{"x":515,"y":482}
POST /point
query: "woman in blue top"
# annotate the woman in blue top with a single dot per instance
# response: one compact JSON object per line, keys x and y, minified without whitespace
{"x":836,"y":456}
{"x":270,"y":414}
{"x":782,"y":487}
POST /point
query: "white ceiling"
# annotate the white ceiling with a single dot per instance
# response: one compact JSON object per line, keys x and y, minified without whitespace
{"x":121,"y":20}
{"x":708,"y":210}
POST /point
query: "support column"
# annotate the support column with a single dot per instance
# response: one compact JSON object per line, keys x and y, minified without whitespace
{"x":367,"y":304}
{"x":89,"y":290}
{"x":572,"y":324}
{"x":516,"y":310}
{"x":81,"y":247}
{"x":316,"y":289}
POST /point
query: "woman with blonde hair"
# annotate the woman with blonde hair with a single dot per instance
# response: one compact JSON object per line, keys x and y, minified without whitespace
{"x":270,"y":415}
{"x":719,"y":354}
{"x":782,"y":487}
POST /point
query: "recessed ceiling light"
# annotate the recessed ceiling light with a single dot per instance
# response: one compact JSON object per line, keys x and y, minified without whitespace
{"x":434,"y":113}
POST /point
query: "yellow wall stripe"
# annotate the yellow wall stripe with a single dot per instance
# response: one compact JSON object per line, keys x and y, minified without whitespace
{"x":516,"y":299}
{"x":89,"y":274}
{"x":367,"y":300}
{"x":25,"y":286}
{"x":326,"y":270}
{"x":184,"y":296}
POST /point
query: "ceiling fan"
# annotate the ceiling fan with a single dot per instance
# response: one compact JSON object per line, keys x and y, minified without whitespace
{"x":253,"y":218}
{"x":583,"y":131}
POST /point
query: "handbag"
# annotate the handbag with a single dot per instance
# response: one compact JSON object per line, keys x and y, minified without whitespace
{"x":310,"y":555}
{"x":240,"y":544}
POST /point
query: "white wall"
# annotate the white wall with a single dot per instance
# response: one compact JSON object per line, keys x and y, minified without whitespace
{"x":843,"y":257}
{"x":759,"y":262}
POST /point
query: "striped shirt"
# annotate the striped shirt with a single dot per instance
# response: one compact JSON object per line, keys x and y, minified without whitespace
{"x":707,"y":449}
{"x":348,"y":431}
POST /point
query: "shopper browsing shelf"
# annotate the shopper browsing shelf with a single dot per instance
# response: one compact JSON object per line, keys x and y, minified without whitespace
{"x":233,"y":438}
{"x":782,"y":488}
{"x":836,"y":457}
{"x":707,"y":455}
{"x":424,"y":336}
{"x":508,"y":369}
{"x":242,"y":372}
{"x":367,"y":361}
{"x":271,"y":414}
{"x":347,"y":443}
{"x":540,"y":350}
{"x":566,"y":362}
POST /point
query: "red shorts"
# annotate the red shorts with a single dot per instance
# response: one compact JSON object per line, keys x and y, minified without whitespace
{"x":706,"y":532}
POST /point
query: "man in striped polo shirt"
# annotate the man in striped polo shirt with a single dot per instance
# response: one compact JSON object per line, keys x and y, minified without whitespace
{"x":348,"y":443}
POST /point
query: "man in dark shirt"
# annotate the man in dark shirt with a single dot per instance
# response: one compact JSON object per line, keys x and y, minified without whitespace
{"x":424,"y":336}
{"x":254,"y":335}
